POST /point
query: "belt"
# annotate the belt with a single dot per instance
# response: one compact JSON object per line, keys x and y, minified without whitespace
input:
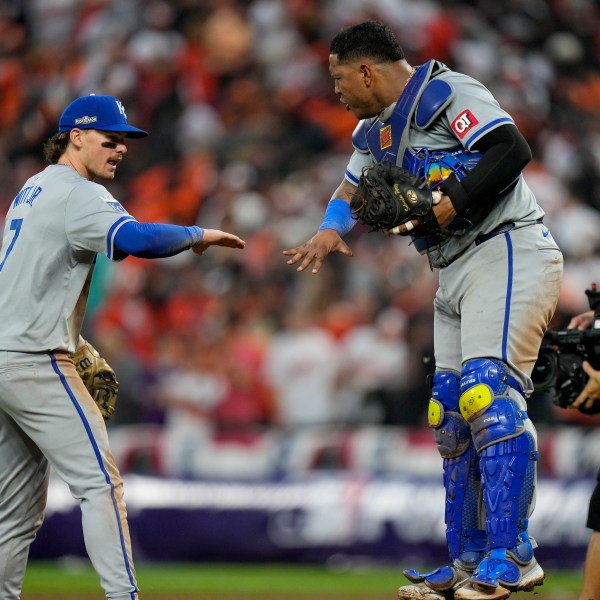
{"x":503,"y":228}
{"x":484,"y":237}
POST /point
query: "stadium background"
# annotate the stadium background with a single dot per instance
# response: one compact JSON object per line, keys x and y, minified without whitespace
{"x":264,"y":415}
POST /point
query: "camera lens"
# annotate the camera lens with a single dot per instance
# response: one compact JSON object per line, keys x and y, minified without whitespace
{"x":544,"y":371}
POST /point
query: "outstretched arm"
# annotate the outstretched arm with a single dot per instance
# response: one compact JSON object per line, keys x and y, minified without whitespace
{"x":328,"y":239}
{"x":159,"y":240}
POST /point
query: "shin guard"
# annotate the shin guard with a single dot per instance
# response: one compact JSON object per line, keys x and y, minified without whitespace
{"x":464,"y":534}
{"x":505,"y":441}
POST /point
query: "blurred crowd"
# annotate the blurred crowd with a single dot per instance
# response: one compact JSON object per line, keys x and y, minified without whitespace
{"x":248,"y":136}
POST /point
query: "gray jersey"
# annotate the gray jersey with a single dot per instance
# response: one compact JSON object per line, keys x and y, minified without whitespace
{"x":54,"y":228}
{"x":469,"y":115}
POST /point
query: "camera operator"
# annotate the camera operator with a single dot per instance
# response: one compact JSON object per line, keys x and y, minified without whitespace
{"x":591,"y":393}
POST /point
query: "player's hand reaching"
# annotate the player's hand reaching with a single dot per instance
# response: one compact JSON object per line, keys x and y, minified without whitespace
{"x":215,"y":237}
{"x":316,"y":249}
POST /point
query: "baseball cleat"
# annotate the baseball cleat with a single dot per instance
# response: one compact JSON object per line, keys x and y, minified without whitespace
{"x":495,"y":579}
{"x":439,"y":584}
{"x":420,"y":591}
{"x":469,"y":592}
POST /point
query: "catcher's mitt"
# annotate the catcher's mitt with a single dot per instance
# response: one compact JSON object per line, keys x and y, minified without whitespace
{"x":98,"y":377}
{"x":388,"y":196}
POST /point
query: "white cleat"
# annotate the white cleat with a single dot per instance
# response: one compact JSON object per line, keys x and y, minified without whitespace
{"x":419,"y":591}
{"x":531,"y":575}
{"x":423,"y":590}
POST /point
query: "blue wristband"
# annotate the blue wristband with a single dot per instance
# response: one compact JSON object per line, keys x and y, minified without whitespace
{"x":338,"y":217}
{"x":197,"y":233}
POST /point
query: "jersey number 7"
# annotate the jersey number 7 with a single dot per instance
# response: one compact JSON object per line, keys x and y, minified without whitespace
{"x":15,"y":225}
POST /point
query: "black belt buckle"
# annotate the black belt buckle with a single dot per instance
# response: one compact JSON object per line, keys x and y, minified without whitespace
{"x":503,"y":228}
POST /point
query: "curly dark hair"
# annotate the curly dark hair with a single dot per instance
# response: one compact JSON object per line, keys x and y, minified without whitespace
{"x":370,"y":39}
{"x":55,"y":147}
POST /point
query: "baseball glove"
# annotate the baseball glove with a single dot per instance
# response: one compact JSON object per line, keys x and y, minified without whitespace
{"x":98,"y":377}
{"x":388,"y":196}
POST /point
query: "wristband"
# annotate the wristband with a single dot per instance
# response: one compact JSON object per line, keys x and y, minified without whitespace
{"x":338,"y":217}
{"x":196,"y":232}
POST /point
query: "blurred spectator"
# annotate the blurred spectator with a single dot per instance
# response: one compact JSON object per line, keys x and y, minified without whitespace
{"x":248,"y":406}
{"x":190,"y":386}
{"x":134,"y":404}
{"x":302,"y":367}
{"x":375,"y":368}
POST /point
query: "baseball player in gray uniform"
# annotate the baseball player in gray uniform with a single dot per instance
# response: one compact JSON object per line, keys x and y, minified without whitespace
{"x":499,"y":278}
{"x":54,"y":229}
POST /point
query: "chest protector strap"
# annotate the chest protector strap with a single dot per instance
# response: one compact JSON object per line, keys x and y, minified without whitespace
{"x":388,"y":139}
{"x":436,"y":96}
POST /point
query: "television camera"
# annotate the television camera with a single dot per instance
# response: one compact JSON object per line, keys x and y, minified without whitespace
{"x":558,"y":369}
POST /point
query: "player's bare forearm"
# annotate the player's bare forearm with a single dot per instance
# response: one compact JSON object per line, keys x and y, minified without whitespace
{"x":315,"y":250}
{"x":215,"y":237}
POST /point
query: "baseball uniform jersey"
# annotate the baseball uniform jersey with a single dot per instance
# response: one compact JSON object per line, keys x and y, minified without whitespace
{"x":54,"y":227}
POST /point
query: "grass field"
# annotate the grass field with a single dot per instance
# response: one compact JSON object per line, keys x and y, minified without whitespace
{"x":75,"y":581}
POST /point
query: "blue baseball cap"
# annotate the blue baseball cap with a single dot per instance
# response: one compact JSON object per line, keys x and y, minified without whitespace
{"x":104,"y":113}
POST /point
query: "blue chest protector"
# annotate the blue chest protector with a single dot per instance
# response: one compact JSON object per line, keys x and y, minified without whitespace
{"x":421,"y":103}
{"x":422,"y":100}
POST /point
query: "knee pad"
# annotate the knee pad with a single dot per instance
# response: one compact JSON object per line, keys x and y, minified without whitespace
{"x":486,"y":404}
{"x":507,"y":452}
{"x":462,"y":478}
{"x":452,"y":432}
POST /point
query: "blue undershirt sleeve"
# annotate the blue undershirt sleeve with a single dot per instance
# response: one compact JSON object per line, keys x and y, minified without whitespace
{"x":156,"y":240}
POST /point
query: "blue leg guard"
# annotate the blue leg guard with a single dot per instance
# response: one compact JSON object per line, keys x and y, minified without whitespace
{"x":466,"y":539}
{"x":505,"y":440}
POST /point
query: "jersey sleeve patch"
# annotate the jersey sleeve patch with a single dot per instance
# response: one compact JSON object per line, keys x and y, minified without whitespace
{"x":114,"y":204}
{"x":463,"y":123}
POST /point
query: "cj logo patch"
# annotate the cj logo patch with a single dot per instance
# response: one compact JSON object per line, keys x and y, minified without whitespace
{"x":463,"y":123}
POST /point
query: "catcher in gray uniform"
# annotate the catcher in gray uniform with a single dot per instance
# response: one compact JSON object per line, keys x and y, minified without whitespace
{"x":55,"y":390}
{"x":438,"y":141}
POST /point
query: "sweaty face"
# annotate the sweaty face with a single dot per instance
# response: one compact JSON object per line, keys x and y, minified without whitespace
{"x":101,"y":152}
{"x":353,"y":83}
